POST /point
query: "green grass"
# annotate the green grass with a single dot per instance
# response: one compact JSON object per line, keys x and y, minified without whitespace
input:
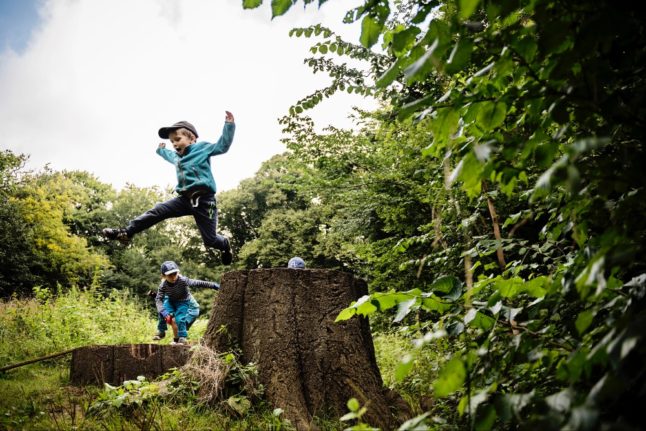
{"x":30,"y":328}
{"x":38,"y":396}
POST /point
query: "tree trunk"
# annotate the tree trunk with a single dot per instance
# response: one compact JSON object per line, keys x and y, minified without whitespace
{"x":496,"y":228}
{"x":283,"y":321}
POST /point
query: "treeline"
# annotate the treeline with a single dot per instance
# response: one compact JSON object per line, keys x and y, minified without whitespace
{"x":50,"y":224}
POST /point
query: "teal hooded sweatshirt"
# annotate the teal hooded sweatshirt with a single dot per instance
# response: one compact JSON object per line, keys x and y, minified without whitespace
{"x":194,"y":166}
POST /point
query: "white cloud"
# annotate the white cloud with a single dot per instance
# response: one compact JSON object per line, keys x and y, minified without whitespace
{"x":100,"y":77}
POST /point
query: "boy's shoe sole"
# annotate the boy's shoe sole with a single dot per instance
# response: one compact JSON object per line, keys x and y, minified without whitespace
{"x":117,"y":234}
{"x":227,"y":256}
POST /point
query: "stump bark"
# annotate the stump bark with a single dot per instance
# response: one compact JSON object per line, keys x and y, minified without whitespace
{"x":283,"y":321}
{"x":115,"y":364}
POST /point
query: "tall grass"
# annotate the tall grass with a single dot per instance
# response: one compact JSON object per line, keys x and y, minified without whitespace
{"x":48,"y":323}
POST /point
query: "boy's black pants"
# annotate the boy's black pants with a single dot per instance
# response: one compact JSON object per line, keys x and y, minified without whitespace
{"x":203,"y":208}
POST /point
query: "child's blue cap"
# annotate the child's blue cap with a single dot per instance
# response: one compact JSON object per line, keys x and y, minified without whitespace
{"x":169,"y":267}
{"x":296,"y":263}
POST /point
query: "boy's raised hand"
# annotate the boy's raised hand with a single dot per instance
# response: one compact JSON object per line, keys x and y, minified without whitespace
{"x":162,"y":145}
{"x":229,"y":117}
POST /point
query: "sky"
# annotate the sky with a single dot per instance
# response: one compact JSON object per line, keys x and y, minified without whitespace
{"x":86,"y":84}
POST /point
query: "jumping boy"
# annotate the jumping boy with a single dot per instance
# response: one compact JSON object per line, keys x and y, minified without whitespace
{"x":174,"y":301}
{"x":195,"y":186}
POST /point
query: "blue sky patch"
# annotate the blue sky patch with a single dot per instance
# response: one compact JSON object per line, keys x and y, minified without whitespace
{"x":18,"y":18}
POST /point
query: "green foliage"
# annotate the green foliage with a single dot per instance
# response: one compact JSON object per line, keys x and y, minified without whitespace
{"x":355,"y":414}
{"x":39,"y":245}
{"x":51,"y":323}
{"x":528,"y":111}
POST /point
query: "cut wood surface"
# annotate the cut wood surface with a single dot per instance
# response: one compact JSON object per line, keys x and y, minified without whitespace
{"x":283,"y":321}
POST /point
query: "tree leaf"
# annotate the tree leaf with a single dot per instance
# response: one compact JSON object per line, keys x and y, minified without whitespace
{"x":403,"y":40}
{"x":403,"y":309}
{"x":353,"y":405}
{"x":491,"y":115}
{"x":583,"y":321}
{"x":467,"y":7}
{"x":390,"y":74}
{"x":471,"y":174}
{"x":445,"y":124}
{"x":345,"y":314}
{"x":251,"y":4}
{"x":434,"y":304}
{"x":418,"y":70}
{"x":404,"y":367}
{"x":460,"y":56}
{"x":370,"y":31}
{"x":279,"y":7}
{"x":447,"y":287}
{"x":451,"y":378}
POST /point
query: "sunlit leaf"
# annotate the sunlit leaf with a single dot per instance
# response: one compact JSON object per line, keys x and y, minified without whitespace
{"x":435,"y":304}
{"x":403,"y":309}
{"x":470,"y":174}
{"x":353,"y":404}
{"x":415,"y":424}
{"x":279,"y":7}
{"x":583,"y":321}
{"x":403,"y":367}
{"x":251,"y":4}
{"x":561,"y":401}
{"x":412,"y":107}
{"x":451,"y":378}
{"x":370,"y":31}
{"x":345,"y":314}
{"x":478,"y":319}
{"x":467,"y":7}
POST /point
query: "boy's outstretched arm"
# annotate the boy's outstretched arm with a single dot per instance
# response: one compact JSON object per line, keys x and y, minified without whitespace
{"x":202,"y":283}
{"x":168,"y":155}
{"x":224,"y":143}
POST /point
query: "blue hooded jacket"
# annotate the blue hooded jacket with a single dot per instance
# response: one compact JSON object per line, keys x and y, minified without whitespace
{"x":194,"y":166}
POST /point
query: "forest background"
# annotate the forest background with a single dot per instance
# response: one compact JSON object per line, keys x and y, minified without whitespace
{"x":494,"y":204}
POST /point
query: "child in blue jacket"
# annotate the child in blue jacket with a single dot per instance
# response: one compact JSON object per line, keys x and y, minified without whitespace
{"x":174,"y":301}
{"x":195,"y":186}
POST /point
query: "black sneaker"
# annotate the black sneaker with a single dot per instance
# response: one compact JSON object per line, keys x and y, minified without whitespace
{"x":119,"y":234}
{"x":227,"y":256}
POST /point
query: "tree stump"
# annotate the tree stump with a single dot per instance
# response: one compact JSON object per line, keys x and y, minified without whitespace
{"x":283,"y":321}
{"x":115,"y":364}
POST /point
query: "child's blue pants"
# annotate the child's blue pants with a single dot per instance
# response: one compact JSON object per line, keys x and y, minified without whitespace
{"x":185,"y":313}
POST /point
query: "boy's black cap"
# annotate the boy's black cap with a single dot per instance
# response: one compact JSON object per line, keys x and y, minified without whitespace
{"x":165,"y":131}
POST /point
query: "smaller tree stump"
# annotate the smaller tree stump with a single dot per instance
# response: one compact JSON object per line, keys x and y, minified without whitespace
{"x":115,"y":364}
